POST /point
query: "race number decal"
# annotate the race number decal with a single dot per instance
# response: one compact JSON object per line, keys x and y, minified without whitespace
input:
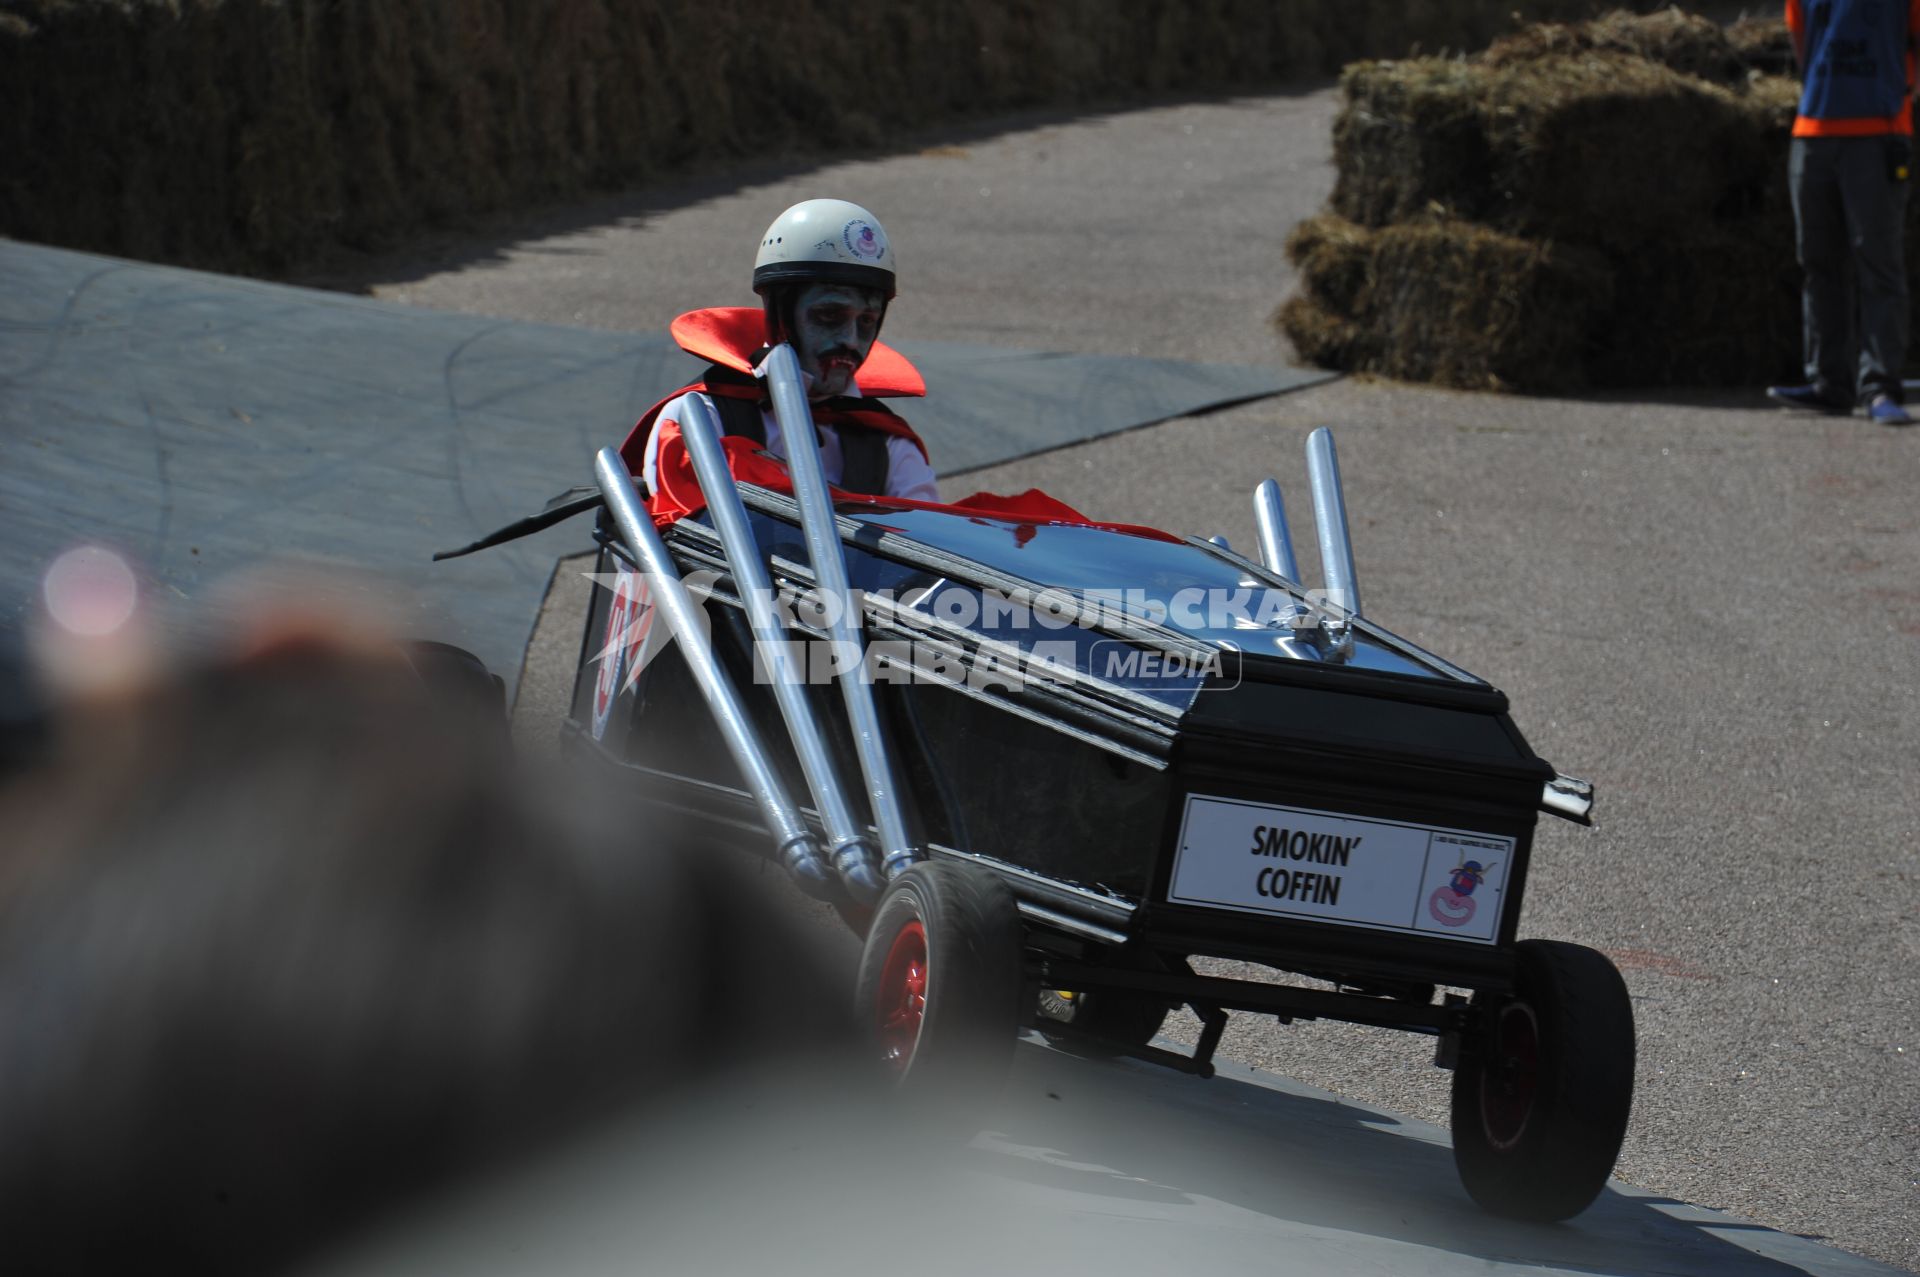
{"x":1331,"y":867}
{"x":625,"y":652}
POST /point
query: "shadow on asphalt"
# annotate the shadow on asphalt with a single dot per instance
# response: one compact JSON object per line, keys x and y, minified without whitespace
{"x":1084,"y":1167}
{"x":1255,"y":1151}
{"x":482,"y":240}
{"x":1708,"y":398}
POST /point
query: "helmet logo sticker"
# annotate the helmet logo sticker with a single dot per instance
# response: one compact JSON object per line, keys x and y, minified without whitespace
{"x":863,"y":241}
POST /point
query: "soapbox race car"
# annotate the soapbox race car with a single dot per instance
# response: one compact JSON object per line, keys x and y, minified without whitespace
{"x":1050,"y":763}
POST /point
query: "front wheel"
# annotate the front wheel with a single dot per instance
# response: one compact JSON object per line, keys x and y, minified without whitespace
{"x":940,"y":979}
{"x":1100,"y":1022}
{"x":462,"y":686}
{"x":1543,"y":1088}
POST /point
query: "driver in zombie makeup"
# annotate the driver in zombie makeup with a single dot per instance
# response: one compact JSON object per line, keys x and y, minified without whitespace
{"x":825,"y":275}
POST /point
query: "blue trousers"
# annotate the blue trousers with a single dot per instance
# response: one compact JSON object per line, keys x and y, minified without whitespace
{"x":1849,"y":218}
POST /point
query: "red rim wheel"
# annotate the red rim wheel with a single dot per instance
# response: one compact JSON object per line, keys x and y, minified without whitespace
{"x":900,"y":998}
{"x":940,"y":981}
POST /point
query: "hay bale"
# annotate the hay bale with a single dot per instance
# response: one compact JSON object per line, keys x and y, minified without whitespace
{"x":1411,"y":139}
{"x":1626,"y":176}
{"x":1459,"y":305}
{"x":1713,"y":306}
{"x":1597,"y":147}
{"x":1764,"y":44}
{"x":1412,"y":301}
{"x":1687,"y":43}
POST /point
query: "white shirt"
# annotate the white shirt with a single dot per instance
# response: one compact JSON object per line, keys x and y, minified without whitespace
{"x":908,"y":474}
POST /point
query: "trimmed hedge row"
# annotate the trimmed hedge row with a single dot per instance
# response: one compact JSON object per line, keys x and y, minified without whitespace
{"x":251,"y":135}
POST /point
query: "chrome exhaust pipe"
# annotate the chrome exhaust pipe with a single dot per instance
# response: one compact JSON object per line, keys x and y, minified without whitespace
{"x":1276,"y":543}
{"x":846,"y":836}
{"x":781,"y":371}
{"x":798,"y":850}
{"x":1276,"y":551}
{"x":1569,"y":798}
{"x":1330,"y":521}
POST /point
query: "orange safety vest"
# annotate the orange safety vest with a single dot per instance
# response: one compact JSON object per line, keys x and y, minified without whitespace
{"x":1855,"y":68}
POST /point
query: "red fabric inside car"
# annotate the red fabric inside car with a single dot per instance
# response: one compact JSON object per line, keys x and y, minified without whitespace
{"x":678,"y":493}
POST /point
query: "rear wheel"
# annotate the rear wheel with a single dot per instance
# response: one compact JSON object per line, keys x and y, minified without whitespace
{"x":939,"y":984}
{"x":1543,"y":1090}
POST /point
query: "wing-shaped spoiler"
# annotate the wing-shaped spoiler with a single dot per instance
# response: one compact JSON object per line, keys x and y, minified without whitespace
{"x":569,"y":503}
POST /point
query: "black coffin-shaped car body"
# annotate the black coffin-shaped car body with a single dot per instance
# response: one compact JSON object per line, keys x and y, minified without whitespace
{"x":1153,"y":750}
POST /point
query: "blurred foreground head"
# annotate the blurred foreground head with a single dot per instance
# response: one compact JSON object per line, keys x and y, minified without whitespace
{"x":286,"y":941}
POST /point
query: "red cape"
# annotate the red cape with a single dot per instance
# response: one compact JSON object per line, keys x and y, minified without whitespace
{"x":677,"y":493}
{"x":729,"y":336}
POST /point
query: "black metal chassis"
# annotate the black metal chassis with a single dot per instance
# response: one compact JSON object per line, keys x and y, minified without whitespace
{"x":1291,"y":732}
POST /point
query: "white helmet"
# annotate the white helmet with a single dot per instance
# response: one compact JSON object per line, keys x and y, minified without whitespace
{"x":828,"y":241}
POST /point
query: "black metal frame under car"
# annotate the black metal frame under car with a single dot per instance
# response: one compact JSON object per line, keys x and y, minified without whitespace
{"x":1045,"y":840}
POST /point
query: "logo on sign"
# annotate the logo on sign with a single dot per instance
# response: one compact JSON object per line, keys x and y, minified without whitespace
{"x":1452,"y":905}
{"x":863,"y":241}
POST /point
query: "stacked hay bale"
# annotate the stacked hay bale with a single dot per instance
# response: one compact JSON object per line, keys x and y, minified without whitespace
{"x":1601,"y":204}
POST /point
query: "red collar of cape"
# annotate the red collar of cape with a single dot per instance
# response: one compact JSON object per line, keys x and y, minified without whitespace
{"x":730,"y":337}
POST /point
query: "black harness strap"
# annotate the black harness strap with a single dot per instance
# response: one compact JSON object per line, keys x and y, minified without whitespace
{"x":864,"y":463}
{"x":737,"y":416}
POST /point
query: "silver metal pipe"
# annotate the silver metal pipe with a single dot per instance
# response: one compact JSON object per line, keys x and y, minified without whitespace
{"x":781,"y":371}
{"x":1330,"y":521}
{"x":1570,"y":798}
{"x":1276,"y":543}
{"x":846,"y":835}
{"x":798,"y":850}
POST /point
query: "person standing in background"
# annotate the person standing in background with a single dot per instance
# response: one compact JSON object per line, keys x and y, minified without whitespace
{"x":1848,"y":170}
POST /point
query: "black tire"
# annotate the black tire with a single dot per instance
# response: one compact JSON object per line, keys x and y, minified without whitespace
{"x":950,"y":1027}
{"x":462,"y":684}
{"x":1543,"y":1090}
{"x":1103,"y":1022}
{"x":857,"y":917}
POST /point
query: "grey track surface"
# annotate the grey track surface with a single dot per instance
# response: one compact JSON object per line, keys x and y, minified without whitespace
{"x":205,"y":423}
{"x":1708,"y":606}
{"x":1083,"y":1168}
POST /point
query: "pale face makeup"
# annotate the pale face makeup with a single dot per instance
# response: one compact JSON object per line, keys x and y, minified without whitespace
{"x":834,"y":327}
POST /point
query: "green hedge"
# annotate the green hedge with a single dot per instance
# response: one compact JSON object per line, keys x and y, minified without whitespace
{"x":251,"y":135}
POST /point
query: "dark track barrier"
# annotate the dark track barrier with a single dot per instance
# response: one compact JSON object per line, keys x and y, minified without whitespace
{"x":253,"y":135}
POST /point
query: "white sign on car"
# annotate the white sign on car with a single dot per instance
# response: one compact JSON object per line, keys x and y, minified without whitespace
{"x":1332,"y":867}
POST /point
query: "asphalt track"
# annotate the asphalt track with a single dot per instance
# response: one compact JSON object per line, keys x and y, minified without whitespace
{"x":1083,"y":1168}
{"x":1706,"y":605}
{"x":201,"y":424}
